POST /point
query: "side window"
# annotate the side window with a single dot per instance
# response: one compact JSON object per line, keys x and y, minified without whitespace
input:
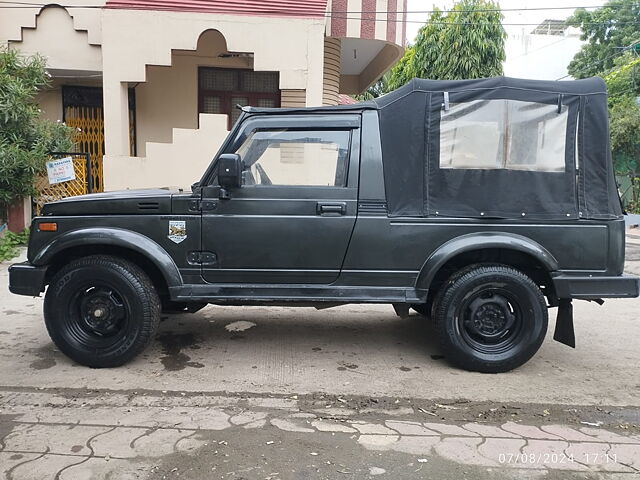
{"x":503,"y":134}
{"x":296,"y":157}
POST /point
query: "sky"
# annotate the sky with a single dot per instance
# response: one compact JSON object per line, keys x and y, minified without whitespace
{"x":510,"y":17}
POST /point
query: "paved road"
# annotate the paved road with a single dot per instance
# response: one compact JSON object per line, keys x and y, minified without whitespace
{"x":352,"y":392}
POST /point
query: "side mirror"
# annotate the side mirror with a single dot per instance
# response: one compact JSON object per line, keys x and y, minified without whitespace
{"x":230,"y":168}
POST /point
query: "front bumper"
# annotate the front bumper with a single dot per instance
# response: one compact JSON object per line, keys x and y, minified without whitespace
{"x":594,"y":287}
{"x":26,"y":279}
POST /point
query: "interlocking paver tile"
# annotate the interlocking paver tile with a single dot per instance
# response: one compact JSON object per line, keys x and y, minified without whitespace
{"x":415,"y":445}
{"x":244,"y":418}
{"x":135,"y":416}
{"x":63,"y":439}
{"x":627,"y":455}
{"x":607,"y":436}
{"x":113,"y":469}
{"x":503,"y":451}
{"x":372,"y":428}
{"x":10,"y":459}
{"x":378,"y":442}
{"x":550,"y":454}
{"x":332,"y":426}
{"x":595,"y":456}
{"x":568,"y":433}
{"x":489,"y":430}
{"x":529,"y":431}
{"x":452,"y":430}
{"x":117,"y":442}
{"x":410,"y":428}
{"x":44,"y":467}
{"x":290,"y":425}
{"x":463,"y":450}
{"x":128,"y":442}
{"x":163,"y":442}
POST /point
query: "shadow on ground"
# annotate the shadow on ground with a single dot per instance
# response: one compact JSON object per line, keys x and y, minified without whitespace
{"x":304,"y":330}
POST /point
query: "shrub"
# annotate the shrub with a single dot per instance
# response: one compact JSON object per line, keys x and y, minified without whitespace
{"x":25,"y":138}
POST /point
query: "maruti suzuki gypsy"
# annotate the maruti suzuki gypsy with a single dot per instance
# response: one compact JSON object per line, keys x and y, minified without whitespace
{"x":478,"y":203}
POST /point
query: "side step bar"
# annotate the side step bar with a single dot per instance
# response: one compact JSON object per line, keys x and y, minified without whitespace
{"x":239,"y":293}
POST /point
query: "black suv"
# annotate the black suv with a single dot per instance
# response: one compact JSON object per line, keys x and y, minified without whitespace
{"x":478,"y":203}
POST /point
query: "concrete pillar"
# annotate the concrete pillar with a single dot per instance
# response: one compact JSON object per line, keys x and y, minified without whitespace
{"x":331,"y":77}
{"x":116,"y":117}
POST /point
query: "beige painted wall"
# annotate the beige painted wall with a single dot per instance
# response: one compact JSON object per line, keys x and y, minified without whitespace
{"x":174,"y":165}
{"x":50,"y":102}
{"x":137,"y":46}
{"x":56,"y":39}
{"x":169,"y":97}
{"x":135,"y":40}
{"x":158,"y":53}
{"x":14,"y":21}
{"x":183,"y":161}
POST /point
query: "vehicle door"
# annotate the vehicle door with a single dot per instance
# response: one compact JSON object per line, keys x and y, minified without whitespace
{"x":291,"y":220}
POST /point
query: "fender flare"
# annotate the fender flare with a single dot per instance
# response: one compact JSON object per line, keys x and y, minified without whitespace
{"x":116,"y":237}
{"x":482,"y":241}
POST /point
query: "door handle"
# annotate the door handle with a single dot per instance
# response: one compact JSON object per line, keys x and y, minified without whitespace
{"x":338,"y":208}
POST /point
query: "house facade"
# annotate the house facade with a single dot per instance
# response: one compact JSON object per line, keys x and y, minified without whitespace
{"x":152,"y":85}
{"x":543,"y":52}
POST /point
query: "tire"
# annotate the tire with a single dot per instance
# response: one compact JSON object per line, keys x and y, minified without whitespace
{"x":510,"y":316}
{"x":101,"y":311}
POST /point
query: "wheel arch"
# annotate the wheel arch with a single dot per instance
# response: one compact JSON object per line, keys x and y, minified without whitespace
{"x":139,"y":249}
{"x":498,"y":247}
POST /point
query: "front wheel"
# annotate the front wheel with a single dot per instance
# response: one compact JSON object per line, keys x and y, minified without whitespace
{"x":490,"y":318}
{"x":101,"y":311}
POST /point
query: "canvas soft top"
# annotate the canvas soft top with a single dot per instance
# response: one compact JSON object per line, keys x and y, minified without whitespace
{"x":593,"y":85}
{"x":417,"y":185}
{"x":411,"y":132}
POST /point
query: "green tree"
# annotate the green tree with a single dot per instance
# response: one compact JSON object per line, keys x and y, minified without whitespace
{"x":466,"y":42}
{"x":624,"y":121}
{"x":404,"y":70}
{"x":25,"y":138}
{"x":623,"y":81}
{"x":609,"y":31}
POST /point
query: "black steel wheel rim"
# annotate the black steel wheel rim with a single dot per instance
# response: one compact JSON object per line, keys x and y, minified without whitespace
{"x":490,"y":320}
{"x":98,"y":316}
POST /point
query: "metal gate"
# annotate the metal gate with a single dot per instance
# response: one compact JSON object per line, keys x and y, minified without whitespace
{"x":83,"y":183}
{"x":89,"y":137}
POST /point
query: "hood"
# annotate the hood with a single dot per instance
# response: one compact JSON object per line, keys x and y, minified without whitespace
{"x":125,"y":202}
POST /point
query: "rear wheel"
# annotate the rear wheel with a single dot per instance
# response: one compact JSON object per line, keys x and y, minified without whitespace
{"x":101,"y":311}
{"x":490,"y":318}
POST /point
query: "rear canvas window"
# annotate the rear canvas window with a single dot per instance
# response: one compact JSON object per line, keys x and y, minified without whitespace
{"x":503,"y":134}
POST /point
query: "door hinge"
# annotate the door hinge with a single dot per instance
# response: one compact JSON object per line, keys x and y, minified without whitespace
{"x":202,"y":205}
{"x":202,"y":258}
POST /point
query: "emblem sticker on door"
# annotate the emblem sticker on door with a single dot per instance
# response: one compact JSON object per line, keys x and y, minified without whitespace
{"x":177,"y":230}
